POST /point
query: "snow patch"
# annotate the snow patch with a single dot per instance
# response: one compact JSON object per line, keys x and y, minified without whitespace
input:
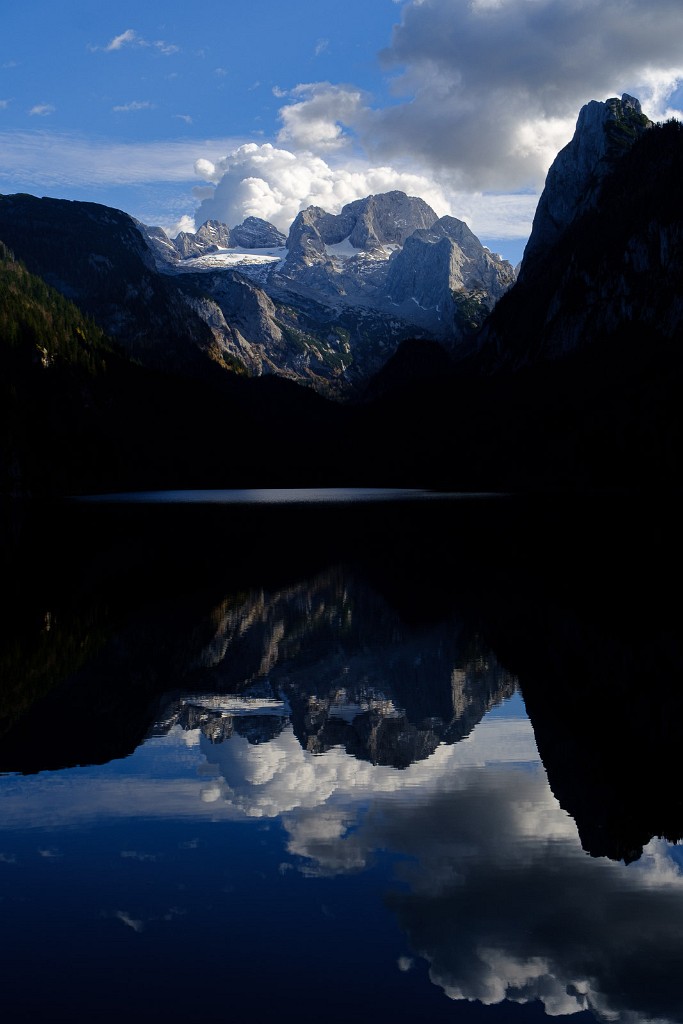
{"x":234,"y":259}
{"x":236,"y":706}
{"x":342,"y":250}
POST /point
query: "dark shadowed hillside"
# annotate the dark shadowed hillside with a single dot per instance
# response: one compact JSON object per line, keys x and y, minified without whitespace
{"x":577,"y":379}
{"x":78,"y":414}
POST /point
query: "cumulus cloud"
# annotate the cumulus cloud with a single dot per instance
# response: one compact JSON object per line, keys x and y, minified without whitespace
{"x":489,"y":90}
{"x":486,"y":93}
{"x":42,"y":110}
{"x":184,"y":223}
{"x":280,"y":777}
{"x":275,"y":183}
{"x":317,"y":117}
{"x":497,"y":895}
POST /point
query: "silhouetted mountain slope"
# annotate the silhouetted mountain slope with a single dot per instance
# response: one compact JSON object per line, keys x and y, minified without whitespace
{"x":615,"y":271}
{"x":97,"y":257}
{"x":577,"y":379}
{"x":78,"y":414}
{"x":587,"y":624}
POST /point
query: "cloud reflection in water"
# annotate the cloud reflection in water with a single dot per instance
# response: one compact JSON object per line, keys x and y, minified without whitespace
{"x":490,"y":885}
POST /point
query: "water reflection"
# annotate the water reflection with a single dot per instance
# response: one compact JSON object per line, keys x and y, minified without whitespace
{"x":333,"y":774}
{"x":487,"y":878}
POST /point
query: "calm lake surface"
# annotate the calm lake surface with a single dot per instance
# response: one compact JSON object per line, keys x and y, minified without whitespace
{"x":335,"y":759}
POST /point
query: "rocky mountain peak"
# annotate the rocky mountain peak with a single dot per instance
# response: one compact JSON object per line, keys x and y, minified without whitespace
{"x":366,"y":225}
{"x":256,"y":233}
{"x":213,"y":235}
{"x":604,"y":131}
{"x":445,"y":259}
{"x":387,"y":219}
{"x":252,"y":233}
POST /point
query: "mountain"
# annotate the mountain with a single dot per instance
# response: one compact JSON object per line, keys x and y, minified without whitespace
{"x":78,"y":413}
{"x":389,"y":257}
{"x":252,"y":233}
{"x":604,"y":132}
{"x":615,"y":182}
{"x":573,"y":381}
{"x":97,"y":258}
{"x":383,"y":270}
{"x":446,"y":270}
{"x":318,"y":311}
{"x":201,"y":326}
{"x":576,"y":377}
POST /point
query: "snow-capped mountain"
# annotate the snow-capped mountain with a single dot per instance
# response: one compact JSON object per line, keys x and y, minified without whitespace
{"x":343,"y":290}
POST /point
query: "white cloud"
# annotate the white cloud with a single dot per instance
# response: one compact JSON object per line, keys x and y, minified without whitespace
{"x":317,"y":118}
{"x":129,"y":37}
{"x":476,"y":853}
{"x":134,"y":105}
{"x":184,"y":117}
{"x":279,"y":777}
{"x":276,"y":183}
{"x":166,"y":48}
{"x":489,"y":90}
{"x":4,"y":104}
{"x":321,"y":46}
{"x":42,"y":110}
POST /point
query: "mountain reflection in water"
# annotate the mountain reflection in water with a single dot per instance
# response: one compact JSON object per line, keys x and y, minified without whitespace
{"x":327,"y":778}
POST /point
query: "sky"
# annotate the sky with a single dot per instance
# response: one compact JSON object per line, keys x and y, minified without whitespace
{"x":177,"y":112}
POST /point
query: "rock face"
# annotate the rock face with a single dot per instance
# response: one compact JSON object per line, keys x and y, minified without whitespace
{"x":213,"y":235}
{"x":196,"y":324}
{"x":255,"y":233}
{"x":367,"y":225}
{"x":579,"y":365}
{"x":328,"y":310}
{"x":446,"y":268}
{"x":391,"y":255}
{"x":604,"y":253}
{"x":604,"y":132}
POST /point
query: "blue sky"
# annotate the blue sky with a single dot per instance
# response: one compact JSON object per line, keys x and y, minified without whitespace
{"x":173,"y":111}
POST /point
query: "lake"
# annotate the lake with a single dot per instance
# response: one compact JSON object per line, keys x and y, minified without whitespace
{"x":341,"y":755}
